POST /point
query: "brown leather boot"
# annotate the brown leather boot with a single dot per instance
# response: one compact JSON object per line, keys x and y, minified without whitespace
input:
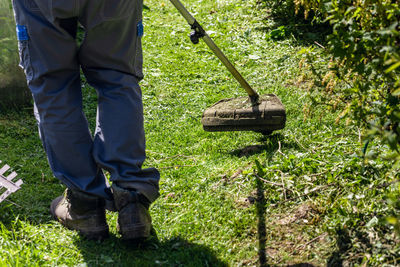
{"x":134,"y":221}
{"x":81,"y":212}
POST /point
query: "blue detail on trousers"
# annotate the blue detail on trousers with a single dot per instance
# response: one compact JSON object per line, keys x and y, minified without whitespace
{"x":22,"y":33}
{"x":118,"y":145}
{"x":140,"y":29}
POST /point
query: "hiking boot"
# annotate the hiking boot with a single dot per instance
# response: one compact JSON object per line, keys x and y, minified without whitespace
{"x":81,"y":212}
{"x":134,"y":221}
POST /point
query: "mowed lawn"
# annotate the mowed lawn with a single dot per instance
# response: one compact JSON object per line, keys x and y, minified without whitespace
{"x":301,"y":195}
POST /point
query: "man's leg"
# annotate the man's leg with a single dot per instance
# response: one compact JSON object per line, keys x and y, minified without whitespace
{"x":111,"y":58}
{"x":50,"y":59}
{"x":49,"y":56}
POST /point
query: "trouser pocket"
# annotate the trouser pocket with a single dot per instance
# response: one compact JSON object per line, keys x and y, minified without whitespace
{"x":115,"y":43}
{"x":31,"y":5}
{"x":117,"y":9}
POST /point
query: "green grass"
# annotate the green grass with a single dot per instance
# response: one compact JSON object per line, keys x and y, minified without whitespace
{"x":8,"y":46}
{"x":303,"y":195}
{"x":13,"y":90}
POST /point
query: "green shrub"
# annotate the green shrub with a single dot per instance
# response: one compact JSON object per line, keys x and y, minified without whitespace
{"x":365,"y":50}
{"x":364,"y":47}
{"x":360,"y":76}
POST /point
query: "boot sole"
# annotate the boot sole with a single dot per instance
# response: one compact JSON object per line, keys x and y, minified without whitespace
{"x":135,"y":232}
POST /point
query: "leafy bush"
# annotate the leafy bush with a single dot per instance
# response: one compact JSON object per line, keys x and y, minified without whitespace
{"x":360,"y":76}
{"x":365,"y":58}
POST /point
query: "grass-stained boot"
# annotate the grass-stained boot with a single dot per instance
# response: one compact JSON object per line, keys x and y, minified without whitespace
{"x":81,"y":212}
{"x":134,"y":221}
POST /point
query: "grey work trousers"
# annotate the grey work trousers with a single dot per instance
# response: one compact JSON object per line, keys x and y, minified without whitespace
{"x":110,"y":57}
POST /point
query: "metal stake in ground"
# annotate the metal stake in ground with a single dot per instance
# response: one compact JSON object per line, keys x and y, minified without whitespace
{"x":7,"y":183}
{"x":258,"y":113}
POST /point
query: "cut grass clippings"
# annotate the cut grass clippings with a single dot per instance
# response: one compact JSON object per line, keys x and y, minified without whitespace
{"x":302,"y":195}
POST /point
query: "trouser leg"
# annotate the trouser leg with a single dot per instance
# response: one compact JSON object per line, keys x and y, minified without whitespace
{"x":111,"y":59}
{"x":49,"y":56}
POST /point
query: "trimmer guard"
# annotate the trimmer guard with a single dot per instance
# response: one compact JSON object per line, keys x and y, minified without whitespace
{"x":238,"y":114}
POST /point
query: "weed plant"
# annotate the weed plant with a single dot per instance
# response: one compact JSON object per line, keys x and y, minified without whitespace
{"x":302,"y":195}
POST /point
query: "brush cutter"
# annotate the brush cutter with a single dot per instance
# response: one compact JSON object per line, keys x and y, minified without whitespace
{"x":254,"y":113}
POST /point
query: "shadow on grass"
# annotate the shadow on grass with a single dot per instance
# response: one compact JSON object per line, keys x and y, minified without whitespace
{"x":173,"y":252}
{"x":355,"y":242}
{"x":343,"y":242}
{"x":270,"y":144}
{"x":304,"y":34}
{"x":261,"y":227}
{"x":283,"y":22}
{"x":31,"y":203}
{"x":261,"y":203}
{"x":301,"y":265}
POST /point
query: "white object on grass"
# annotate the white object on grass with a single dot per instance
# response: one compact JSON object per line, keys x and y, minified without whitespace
{"x":7,"y":183}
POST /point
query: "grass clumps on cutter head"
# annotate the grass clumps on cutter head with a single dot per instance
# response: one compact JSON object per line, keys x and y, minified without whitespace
{"x":239,"y":114}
